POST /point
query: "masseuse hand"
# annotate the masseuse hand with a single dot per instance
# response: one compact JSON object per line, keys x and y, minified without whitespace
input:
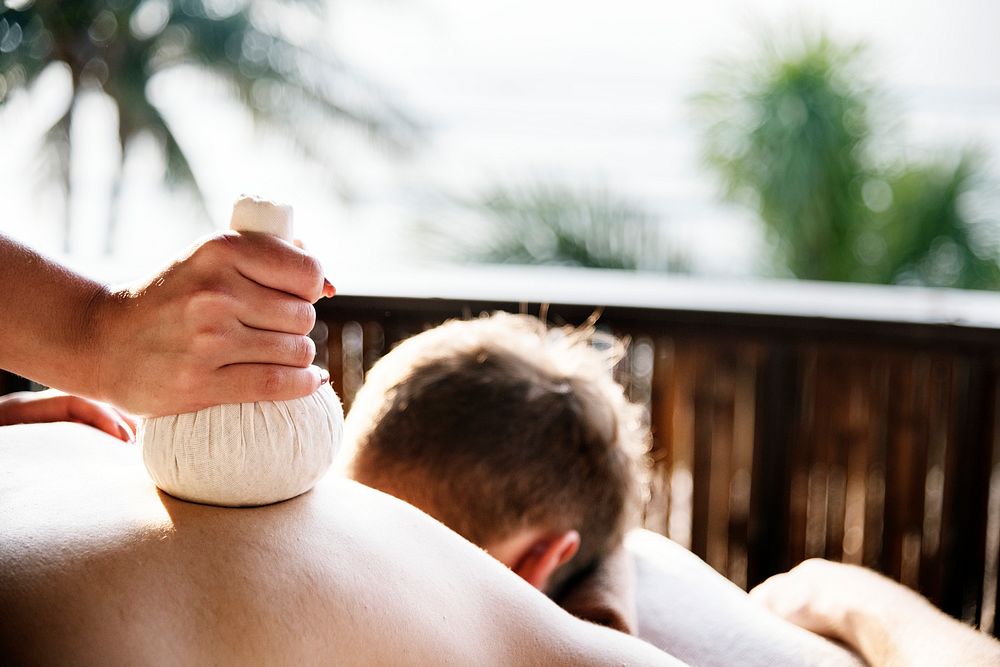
{"x":227,"y":323}
{"x":35,"y":407}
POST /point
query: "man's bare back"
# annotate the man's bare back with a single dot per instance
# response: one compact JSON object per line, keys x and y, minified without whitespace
{"x":96,"y":564}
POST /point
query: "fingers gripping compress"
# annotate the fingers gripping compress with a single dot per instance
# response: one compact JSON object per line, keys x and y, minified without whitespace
{"x":246,"y":454}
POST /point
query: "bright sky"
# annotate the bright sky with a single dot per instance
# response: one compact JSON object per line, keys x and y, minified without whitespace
{"x":576,"y":91}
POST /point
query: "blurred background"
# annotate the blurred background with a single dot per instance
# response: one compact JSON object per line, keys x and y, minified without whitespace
{"x":743,"y":138}
{"x":735,"y":168}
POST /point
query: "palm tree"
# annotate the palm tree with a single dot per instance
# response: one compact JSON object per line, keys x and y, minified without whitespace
{"x":118,"y":46}
{"x":793,"y":137}
{"x":555,"y":224}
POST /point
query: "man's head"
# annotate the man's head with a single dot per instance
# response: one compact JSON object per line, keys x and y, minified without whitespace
{"x":514,"y":435}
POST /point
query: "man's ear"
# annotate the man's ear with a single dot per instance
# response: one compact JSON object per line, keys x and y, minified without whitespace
{"x":545,"y":556}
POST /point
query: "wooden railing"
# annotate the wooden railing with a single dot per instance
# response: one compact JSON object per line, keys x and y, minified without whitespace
{"x":789,"y":420}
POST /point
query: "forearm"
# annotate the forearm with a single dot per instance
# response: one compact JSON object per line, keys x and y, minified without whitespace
{"x":911,"y":631}
{"x":884,"y":621}
{"x":47,"y":328}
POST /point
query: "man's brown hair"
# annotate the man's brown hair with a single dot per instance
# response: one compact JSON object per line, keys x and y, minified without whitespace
{"x":500,"y":423}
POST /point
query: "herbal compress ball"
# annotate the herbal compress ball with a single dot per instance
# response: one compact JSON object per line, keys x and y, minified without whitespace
{"x":246,"y":454}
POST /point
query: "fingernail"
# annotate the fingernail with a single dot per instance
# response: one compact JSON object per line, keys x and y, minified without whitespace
{"x":324,"y":376}
{"x":328,"y":288}
{"x":126,"y":435}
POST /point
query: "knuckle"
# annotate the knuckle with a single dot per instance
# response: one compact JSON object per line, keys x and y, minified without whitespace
{"x":205,"y":305}
{"x":311,"y":266}
{"x":300,"y":351}
{"x":216,"y":249}
{"x":810,"y":566}
{"x":312,"y":275}
{"x":309,"y":351}
{"x":208,"y":343}
{"x":210,"y":320}
{"x":298,"y":315}
{"x":304,"y":318}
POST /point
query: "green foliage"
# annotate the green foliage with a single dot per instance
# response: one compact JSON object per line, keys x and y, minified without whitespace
{"x":118,"y":46}
{"x":929,"y":239}
{"x":794,"y":138}
{"x":559,"y":225}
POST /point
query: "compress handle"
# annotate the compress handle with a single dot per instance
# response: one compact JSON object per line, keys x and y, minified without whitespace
{"x":252,"y":214}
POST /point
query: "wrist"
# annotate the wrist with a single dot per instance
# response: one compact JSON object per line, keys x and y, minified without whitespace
{"x":867,"y":634}
{"x":878,"y":622}
{"x":96,"y":324}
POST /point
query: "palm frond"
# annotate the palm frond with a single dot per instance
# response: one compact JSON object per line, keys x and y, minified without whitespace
{"x":25,"y":48}
{"x":295,"y":86}
{"x":792,"y":136}
{"x":278,"y":80}
{"x":558,"y":225}
{"x":931,"y":240}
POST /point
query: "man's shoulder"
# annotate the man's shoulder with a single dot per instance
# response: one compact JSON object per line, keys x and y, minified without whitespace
{"x":92,"y":556}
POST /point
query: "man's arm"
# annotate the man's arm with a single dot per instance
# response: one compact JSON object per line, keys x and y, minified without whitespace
{"x":686,"y":607}
{"x":226,"y":323}
{"x":885,"y":622}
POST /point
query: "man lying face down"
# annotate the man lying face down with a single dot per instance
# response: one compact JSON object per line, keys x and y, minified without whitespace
{"x":518,"y":438}
{"x":515,"y":436}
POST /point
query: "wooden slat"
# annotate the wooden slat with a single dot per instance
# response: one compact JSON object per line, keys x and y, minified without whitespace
{"x":686,"y":365}
{"x":335,"y":357}
{"x":859,"y":421}
{"x":967,"y":490}
{"x":720,"y":446}
{"x":744,"y":414}
{"x":777,"y":403}
{"x":661,"y":418}
{"x":703,"y":410}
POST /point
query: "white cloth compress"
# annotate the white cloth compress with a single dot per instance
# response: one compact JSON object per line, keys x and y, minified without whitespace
{"x":246,"y":454}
